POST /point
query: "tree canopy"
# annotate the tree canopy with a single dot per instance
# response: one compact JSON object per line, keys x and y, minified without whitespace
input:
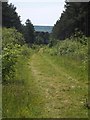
{"x":74,"y":17}
{"x":28,"y":30}
{"x":10,"y":17}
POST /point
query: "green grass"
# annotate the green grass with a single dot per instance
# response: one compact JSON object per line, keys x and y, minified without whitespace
{"x":65,"y":88}
{"x":21,"y":98}
{"x":47,"y":87}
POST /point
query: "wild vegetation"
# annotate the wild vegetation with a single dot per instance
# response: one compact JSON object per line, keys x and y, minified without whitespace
{"x":45,"y":75}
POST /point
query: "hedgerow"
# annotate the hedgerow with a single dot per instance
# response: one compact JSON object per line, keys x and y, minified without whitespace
{"x":13,"y":46}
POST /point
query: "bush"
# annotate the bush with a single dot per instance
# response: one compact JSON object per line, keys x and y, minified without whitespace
{"x":76,"y":49}
{"x":11,"y":35}
{"x":13,"y":47}
{"x":9,"y":59}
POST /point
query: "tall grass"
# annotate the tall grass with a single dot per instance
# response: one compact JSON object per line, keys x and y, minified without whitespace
{"x":21,"y":97}
{"x":72,"y":55}
{"x":72,"y":48}
{"x":19,"y":91}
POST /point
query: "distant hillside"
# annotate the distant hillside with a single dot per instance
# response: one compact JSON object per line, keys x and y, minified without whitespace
{"x":43,"y":28}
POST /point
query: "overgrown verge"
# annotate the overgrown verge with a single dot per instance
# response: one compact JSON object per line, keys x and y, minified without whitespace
{"x":13,"y":47}
{"x":72,"y":55}
{"x":20,"y":98}
{"x":75,"y":48}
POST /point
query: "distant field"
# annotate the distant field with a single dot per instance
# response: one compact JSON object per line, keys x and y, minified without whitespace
{"x":43,"y":28}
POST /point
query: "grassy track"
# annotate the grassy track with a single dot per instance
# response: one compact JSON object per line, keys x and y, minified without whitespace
{"x":64,"y":95}
{"x":54,"y":89}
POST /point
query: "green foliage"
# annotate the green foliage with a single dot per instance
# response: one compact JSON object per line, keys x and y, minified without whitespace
{"x":9,"y":59}
{"x":32,"y":90}
{"x":21,"y":97}
{"x":26,"y":51}
{"x":52,"y":42}
{"x":10,"y":17}
{"x":74,"y":16}
{"x":11,"y":35}
{"x":28,"y":31}
{"x":42,"y":38}
{"x":80,"y":37}
{"x":39,"y":40}
{"x":75,"y":48}
{"x":13,"y":48}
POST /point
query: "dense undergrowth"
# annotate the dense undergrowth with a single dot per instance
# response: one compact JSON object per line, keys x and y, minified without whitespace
{"x":75,"y":48}
{"x":13,"y":48}
{"x":18,"y":89}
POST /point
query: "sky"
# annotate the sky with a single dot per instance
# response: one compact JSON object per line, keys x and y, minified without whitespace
{"x":40,"y":12}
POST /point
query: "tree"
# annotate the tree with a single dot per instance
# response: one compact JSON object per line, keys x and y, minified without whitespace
{"x":74,"y":16}
{"x":42,"y":37}
{"x":29,"y":32}
{"x":10,"y":17}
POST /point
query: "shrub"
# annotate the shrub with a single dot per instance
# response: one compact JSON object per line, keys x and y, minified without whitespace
{"x":11,"y":35}
{"x":9,"y":59}
{"x":13,"y":47}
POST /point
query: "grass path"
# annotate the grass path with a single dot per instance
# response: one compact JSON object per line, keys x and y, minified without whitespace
{"x":63,"y":95}
{"x":46,"y":87}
